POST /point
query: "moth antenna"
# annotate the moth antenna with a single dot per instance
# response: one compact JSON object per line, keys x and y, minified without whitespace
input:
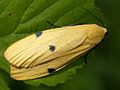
{"x":52,"y":24}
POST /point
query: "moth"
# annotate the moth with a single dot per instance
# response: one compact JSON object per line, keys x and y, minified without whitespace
{"x":48,"y":51}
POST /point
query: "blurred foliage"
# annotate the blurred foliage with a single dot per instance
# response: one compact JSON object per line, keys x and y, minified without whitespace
{"x":101,"y":73}
{"x":3,"y":82}
{"x":110,"y":8}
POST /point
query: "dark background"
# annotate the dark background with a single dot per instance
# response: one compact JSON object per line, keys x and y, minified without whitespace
{"x":102,"y":74}
{"x":111,"y":11}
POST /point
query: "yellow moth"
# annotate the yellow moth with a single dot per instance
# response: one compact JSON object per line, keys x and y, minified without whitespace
{"x":44,"y":52}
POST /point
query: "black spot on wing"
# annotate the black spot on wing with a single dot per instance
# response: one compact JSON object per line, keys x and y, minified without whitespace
{"x":52,"y":48}
{"x":50,"y":70}
{"x":38,"y":34}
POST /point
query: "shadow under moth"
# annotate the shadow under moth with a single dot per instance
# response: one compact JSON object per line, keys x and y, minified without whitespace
{"x":48,"y":51}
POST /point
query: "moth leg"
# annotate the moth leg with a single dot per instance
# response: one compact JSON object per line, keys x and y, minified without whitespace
{"x":85,"y":60}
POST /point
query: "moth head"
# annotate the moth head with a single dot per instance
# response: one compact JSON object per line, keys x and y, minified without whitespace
{"x":95,"y":34}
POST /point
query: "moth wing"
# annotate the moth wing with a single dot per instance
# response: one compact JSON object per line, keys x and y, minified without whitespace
{"x":37,"y":51}
{"x":42,"y":70}
{"x":22,"y":50}
{"x":68,"y":39}
{"x":62,"y":44}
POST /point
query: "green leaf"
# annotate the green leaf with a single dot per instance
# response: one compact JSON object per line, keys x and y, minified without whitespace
{"x":19,"y":18}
